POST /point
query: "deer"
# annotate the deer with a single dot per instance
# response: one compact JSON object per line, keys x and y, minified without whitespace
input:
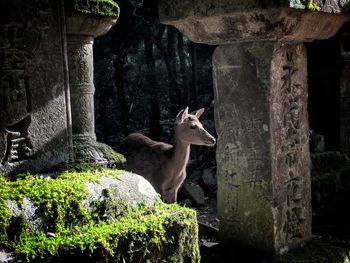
{"x":162,"y":164}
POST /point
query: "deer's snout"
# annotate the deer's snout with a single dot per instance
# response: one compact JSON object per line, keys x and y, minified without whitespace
{"x":213,"y":141}
{"x":209,"y":140}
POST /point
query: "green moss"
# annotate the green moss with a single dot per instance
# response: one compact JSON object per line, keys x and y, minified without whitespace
{"x":160,"y":233}
{"x":93,"y":7}
{"x":85,"y":152}
{"x":319,"y":252}
{"x":313,"y":5}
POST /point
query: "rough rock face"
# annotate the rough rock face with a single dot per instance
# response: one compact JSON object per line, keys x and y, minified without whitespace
{"x":129,"y":188}
{"x":96,"y":216}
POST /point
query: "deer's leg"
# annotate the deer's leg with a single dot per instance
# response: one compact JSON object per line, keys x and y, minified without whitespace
{"x":170,"y":196}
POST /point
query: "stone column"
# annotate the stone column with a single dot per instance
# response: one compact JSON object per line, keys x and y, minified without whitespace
{"x":262,"y":155}
{"x":81,"y":31}
{"x":81,"y":86}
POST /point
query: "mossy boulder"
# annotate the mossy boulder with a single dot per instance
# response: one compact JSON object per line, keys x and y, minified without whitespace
{"x":93,"y":152}
{"x":93,"y":216}
{"x":317,"y":251}
{"x":92,"y":7}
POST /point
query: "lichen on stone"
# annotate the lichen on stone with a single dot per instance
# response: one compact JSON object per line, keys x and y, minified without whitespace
{"x":109,"y":229}
{"x":93,"y":152}
{"x":311,"y":5}
{"x":93,"y":7}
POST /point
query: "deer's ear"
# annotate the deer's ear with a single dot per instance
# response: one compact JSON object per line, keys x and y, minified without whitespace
{"x":199,"y":112}
{"x":181,"y":116}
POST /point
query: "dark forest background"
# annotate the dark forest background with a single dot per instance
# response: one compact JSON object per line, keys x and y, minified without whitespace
{"x":145,"y":73}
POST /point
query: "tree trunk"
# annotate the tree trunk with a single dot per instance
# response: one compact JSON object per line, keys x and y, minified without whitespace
{"x":154,"y":121}
{"x":119,"y":83}
{"x":172,"y":72}
{"x":194,"y":75}
{"x":183,"y":70}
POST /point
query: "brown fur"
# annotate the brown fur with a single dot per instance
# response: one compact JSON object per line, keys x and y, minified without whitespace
{"x":162,"y":164}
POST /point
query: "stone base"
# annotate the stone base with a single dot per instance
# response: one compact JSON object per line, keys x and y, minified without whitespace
{"x":87,"y":150}
{"x":104,"y":216}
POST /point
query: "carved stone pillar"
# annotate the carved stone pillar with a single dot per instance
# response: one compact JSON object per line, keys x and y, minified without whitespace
{"x":260,"y":88}
{"x":263,"y":154}
{"x":81,"y":86}
{"x":81,"y":31}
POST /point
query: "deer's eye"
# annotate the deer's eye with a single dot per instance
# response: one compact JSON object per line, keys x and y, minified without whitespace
{"x":193,"y":126}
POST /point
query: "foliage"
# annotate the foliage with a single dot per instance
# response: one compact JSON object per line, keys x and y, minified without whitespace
{"x":160,"y":233}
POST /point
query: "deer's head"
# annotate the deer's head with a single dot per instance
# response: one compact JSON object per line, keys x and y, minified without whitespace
{"x":190,"y":130}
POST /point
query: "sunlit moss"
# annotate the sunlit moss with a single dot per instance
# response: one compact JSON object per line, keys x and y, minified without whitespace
{"x":93,"y":7}
{"x":313,"y":5}
{"x":160,"y":233}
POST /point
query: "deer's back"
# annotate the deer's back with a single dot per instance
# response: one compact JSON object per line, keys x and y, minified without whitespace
{"x":145,"y":156}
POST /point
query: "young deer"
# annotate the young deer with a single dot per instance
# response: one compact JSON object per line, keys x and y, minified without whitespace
{"x":162,"y":164}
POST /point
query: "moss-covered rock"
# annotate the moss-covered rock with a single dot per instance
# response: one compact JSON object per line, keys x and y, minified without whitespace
{"x":86,"y":217}
{"x":320,"y":252}
{"x":93,"y":7}
{"x":93,"y":152}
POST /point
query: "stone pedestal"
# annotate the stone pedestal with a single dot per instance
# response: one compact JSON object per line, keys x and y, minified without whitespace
{"x":81,"y":31}
{"x":261,"y":115}
{"x":263,"y":156}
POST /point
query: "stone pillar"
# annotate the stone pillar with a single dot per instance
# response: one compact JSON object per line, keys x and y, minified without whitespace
{"x":263,"y":156}
{"x":81,"y":31}
{"x":82,"y":87}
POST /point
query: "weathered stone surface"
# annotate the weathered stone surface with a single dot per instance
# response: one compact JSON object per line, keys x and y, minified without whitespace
{"x":263,"y":156}
{"x":193,"y":192}
{"x":227,"y":21}
{"x":178,"y":9}
{"x":5,"y":257}
{"x":316,"y":142}
{"x":129,"y":189}
{"x":33,"y":126}
{"x":209,"y":179}
{"x":28,"y":211}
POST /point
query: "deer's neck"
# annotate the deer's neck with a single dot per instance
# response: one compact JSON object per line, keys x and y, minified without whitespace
{"x":180,"y":155}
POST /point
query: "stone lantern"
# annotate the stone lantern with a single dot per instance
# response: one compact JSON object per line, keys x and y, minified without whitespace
{"x":261,"y":94}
